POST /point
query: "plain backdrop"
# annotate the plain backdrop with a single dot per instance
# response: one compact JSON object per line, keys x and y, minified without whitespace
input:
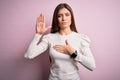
{"x":99,"y":19}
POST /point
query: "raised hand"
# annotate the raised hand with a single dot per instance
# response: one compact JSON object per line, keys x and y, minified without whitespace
{"x":40,"y":24}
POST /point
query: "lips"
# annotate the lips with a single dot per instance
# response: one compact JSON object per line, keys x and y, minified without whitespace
{"x":64,"y":23}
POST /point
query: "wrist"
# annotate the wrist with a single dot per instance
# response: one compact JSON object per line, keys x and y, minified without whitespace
{"x":39,"y":33}
{"x":74,"y":54}
{"x":70,"y":50}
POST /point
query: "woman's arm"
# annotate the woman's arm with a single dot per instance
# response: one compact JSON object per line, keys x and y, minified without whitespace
{"x":85,"y":56}
{"x":34,"y":48}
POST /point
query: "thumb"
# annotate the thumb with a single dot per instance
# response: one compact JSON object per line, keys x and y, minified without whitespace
{"x":67,"y":42}
{"x":49,"y":27}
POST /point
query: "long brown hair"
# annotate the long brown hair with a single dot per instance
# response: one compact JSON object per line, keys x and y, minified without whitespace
{"x":55,"y":26}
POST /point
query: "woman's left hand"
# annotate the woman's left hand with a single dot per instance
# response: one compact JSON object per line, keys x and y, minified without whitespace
{"x":64,"y":48}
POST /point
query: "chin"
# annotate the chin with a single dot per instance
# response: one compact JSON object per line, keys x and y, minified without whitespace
{"x":63,"y":27}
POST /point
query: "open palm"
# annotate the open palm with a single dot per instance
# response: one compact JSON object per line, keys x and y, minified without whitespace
{"x":40,"y":25}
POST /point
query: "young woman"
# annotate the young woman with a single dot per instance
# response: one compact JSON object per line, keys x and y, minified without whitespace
{"x":66,"y":46}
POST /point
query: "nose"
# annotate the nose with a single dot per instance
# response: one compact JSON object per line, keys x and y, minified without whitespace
{"x":63,"y":18}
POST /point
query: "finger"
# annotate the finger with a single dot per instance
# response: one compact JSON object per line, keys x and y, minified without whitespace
{"x":58,"y":49}
{"x":40,"y":14}
{"x":40,"y":18}
{"x":49,"y":27}
{"x":67,"y":42}
{"x":57,"y":46}
{"x":43,"y":18}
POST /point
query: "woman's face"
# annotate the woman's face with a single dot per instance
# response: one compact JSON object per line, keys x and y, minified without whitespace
{"x":64,"y":18}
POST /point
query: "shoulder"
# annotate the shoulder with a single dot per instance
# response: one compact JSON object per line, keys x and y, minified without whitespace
{"x":82,"y":36}
{"x":85,"y":40}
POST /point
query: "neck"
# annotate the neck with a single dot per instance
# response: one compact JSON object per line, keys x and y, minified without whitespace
{"x":65,"y":31}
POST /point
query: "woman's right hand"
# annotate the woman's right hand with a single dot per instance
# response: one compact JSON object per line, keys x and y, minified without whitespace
{"x":40,"y":24}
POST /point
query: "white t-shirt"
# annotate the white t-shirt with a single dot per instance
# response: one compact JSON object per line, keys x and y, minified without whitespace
{"x":63,"y":66}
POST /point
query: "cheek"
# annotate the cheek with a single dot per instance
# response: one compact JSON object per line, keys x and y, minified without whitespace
{"x":69,"y":18}
{"x":59,"y":21}
{"x":70,"y":21}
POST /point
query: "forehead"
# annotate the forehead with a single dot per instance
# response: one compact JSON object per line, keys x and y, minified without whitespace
{"x":63,"y":10}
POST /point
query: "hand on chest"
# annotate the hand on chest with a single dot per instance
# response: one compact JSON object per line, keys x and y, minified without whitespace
{"x":61,"y":44}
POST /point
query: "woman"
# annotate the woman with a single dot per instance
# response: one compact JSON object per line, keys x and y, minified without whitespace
{"x":66,"y":46}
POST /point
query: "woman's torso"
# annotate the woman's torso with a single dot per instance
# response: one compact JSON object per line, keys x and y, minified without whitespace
{"x":63,"y":67}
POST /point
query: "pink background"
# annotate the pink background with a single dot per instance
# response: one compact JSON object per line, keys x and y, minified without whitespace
{"x":99,"y":19}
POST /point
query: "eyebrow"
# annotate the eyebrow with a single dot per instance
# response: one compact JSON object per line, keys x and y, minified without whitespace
{"x":65,"y":13}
